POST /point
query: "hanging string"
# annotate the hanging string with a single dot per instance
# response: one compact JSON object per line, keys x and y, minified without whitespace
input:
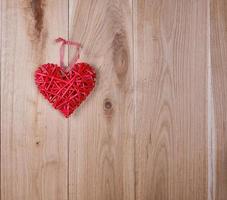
{"x":62,"y":50}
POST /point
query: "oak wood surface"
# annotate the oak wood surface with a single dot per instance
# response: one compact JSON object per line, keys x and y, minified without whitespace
{"x":101,"y":156}
{"x":33,"y":138}
{"x":154,"y":128}
{"x":219,"y":94}
{"x":171,"y":94}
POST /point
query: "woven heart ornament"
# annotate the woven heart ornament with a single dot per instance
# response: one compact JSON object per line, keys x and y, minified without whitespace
{"x":65,"y":87}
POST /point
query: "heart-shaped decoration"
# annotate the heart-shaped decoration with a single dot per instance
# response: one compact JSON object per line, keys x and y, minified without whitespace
{"x":65,"y":89}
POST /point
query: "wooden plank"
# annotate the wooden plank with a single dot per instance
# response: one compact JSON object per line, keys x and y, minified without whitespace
{"x":219,"y":93}
{"x":33,"y":135}
{"x":101,"y":132}
{"x":171,"y":99}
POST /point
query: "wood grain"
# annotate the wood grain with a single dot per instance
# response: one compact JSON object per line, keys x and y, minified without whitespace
{"x":33,"y":136}
{"x":101,"y":157}
{"x":219,"y":93}
{"x":171,"y":99}
{"x":155,"y":126}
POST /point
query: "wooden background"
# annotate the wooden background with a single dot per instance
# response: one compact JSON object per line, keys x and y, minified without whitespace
{"x":155,"y":128}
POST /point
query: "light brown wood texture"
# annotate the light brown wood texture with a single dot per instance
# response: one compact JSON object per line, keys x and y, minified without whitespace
{"x":171,"y":94}
{"x":219,"y":94}
{"x":101,"y":156}
{"x":34,"y":152}
{"x":154,"y":128}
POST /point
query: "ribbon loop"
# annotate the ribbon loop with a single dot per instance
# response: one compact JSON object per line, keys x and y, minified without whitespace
{"x":62,"y":50}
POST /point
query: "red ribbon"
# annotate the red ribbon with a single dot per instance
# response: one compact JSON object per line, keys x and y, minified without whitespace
{"x":62,"y":50}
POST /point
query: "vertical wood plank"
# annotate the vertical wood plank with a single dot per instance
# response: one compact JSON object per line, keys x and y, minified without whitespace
{"x":101,"y":132}
{"x":219,"y":93}
{"x":33,"y":135}
{"x":171,"y":99}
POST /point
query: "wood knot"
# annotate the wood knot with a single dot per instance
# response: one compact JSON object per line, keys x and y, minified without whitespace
{"x":38,"y":12}
{"x":107,"y":107}
{"x":120,"y":54}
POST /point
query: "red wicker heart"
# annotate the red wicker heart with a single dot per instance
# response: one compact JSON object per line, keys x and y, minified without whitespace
{"x":65,"y":90}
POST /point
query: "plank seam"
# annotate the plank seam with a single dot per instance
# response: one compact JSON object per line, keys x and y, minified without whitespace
{"x":210,"y":122}
{"x":68,"y":121}
{"x":134,"y":98}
